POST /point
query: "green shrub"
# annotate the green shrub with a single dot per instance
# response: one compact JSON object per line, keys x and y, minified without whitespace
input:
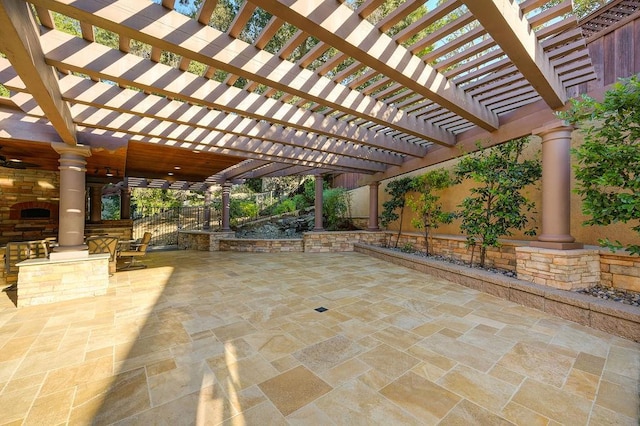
{"x":285,"y":206}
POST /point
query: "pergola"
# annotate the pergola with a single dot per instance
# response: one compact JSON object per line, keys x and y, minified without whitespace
{"x":310,"y":87}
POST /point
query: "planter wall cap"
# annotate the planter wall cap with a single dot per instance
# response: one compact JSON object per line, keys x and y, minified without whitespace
{"x":616,"y":309}
{"x":569,"y":298}
{"x":527,"y":287}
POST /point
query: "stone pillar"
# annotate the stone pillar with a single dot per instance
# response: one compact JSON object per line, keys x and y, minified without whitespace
{"x":226,"y":192}
{"x":125,"y":202}
{"x":556,"y":188}
{"x":207,"y":209}
{"x":373,"y":207}
{"x":318,"y":204}
{"x":95,"y":214}
{"x":72,"y":200}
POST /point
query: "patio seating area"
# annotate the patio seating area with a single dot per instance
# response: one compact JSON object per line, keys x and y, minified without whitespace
{"x":235,"y":338}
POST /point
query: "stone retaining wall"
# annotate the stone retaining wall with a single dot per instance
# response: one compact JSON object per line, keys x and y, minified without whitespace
{"x":620,"y":270}
{"x":262,"y":246}
{"x":612,"y":317}
{"x":454,"y":247}
{"x":339,"y":241}
{"x":202,"y":240}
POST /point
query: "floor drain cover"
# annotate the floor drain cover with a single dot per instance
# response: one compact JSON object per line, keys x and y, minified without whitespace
{"x":321,"y":309}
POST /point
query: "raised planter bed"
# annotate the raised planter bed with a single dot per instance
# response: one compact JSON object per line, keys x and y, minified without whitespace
{"x":605,"y":315}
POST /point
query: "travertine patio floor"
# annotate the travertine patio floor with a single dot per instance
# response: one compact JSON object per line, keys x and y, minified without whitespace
{"x":204,"y":338}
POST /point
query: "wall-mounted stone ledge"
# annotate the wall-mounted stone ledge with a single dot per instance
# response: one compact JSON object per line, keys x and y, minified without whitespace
{"x":605,"y":315}
{"x":262,"y":246}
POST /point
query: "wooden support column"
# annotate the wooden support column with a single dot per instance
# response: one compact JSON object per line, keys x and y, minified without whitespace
{"x":72,"y":200}
{"x":226,"y":199}
{"x":207,"y":209}
{"x":95,"y":203}
{"x":556,"y":187}
{"x":373,"y":207}
{"x":318,"y":204}
{"x":125,"y":203}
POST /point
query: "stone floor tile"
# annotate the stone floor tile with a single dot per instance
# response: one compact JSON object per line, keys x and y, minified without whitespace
{"x":468,"y":413}
{"x":354,"y":403}
{"x":246,"y":372}
{"x":551,"y":402}
{"x":344,"y":372}
{"x":539,"y":363}
{"x":480,"y":388}
{"x":294,"y":389}
{"x":424,"y":399}
{"x":199,"y":331}
{"x":389,"y":361}
{"x":51,"y":409}
{"x":619,"y":399}
{"x":582,"y":383}
{"x":263,"y":414}
{"x":520,"y":415}
{"x":396,"y":337}
{"x":328,"y":353}
{"x":180,"y":381}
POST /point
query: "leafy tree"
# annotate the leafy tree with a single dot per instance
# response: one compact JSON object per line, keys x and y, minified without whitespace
{"x":110,"y":207}
{"x":608,"y":163}
{"x":335,"y":208}
{"x":495,"y":206}
{"x":398,"y":190}
{"x":427,"y":204}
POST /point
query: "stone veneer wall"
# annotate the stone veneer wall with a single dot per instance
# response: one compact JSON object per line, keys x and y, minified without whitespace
{"x":332,"y":241}
{"x":620,"y":270}
{"x":123,"y":228}
{"x":262,"y":246}
{"x":43,"y":281}
{"x":30,"y":188}
{"x":202,"y":240}
{"x":3,"y":272}
{"x":563,"y":269}
{"x":605,"y":315}
{"x":454,"y":246}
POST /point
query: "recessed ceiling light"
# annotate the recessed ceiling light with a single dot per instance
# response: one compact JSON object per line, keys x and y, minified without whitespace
{"x":177,"y":167}
{"x":170,"y":173}
{"x":15,"y":160}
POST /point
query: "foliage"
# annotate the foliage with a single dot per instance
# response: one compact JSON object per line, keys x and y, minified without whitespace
{"x":110,"y":207}
{"x":335,"y":207}
{"x":254,"y":184}
{"x":285,"y":206}
{"x":495,"y":206}
{"x":608,"y":163}
{"x":427,"y":203}
{"x":398,"y":190}
{"x":407,"y":248}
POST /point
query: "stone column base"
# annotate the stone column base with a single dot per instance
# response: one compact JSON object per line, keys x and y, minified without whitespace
{"x":557,"y":246}
{"x":562,"y":269}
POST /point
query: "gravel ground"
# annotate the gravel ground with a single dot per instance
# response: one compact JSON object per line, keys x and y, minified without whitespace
{"x":609,"y":293}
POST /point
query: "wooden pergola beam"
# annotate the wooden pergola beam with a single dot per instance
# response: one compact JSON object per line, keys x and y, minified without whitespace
{"x":19,"y":41}
{"x":506,"y":24}
{"x":205,"y":44}
{"x":75,"y":53}
{"x":338,"y":26}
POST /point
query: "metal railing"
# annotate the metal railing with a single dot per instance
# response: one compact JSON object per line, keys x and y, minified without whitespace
{"x":164,"y":223}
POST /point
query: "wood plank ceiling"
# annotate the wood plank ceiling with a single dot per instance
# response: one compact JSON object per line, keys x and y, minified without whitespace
{"x":283,"y":87}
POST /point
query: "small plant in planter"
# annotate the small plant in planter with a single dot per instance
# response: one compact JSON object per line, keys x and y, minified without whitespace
{"x":407,"y":248}
{"x":496,"y":205}
{"x":427,"y":203}
{"x":398,"y":190}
